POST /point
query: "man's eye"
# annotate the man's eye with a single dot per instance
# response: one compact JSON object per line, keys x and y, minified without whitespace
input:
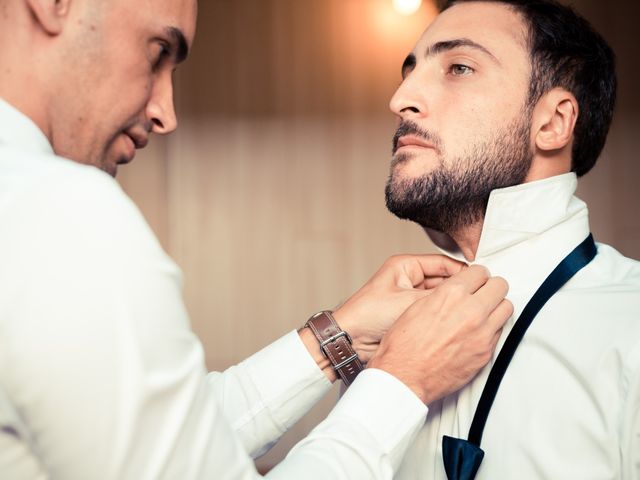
{"x":162,"y":54}
{"x":460,"y":70}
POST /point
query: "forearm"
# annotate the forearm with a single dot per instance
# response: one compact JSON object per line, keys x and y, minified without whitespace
{"x":265,"y":395}
{"x":260,"y":411}
{"x":365,"y":436}
{"x":313,"y":347}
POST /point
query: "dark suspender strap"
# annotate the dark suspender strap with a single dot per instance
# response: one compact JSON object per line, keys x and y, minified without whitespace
{"x":574,"y":262}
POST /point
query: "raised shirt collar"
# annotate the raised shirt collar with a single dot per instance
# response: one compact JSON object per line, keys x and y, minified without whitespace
{"x":19,"y":131}
{"x":515,"y":214}
{"x":521,"y":212}
{"x":528,"y":230}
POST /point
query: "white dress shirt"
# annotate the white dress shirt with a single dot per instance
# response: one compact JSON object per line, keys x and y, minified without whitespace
{"x":568,"y":407}
{"x":100,"y":374}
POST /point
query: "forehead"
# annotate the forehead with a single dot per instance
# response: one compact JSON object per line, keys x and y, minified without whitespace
{"x":495,"y":26}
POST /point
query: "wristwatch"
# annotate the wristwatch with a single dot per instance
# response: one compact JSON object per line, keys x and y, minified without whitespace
{"x":336,"y":345}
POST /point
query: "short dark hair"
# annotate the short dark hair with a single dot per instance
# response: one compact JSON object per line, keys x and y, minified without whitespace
{"x":567,"y":52}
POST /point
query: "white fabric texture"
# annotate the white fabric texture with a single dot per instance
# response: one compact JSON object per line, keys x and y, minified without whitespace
{"x":100,"y":374}
{"x":569,"y":404}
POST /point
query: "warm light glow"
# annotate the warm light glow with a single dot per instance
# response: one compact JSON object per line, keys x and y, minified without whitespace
{"x":396,"y":33}
{"x":407,"y":7}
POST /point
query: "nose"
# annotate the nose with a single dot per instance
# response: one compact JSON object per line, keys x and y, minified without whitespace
{"x":409,"y":101}
{"x":160,"y":109}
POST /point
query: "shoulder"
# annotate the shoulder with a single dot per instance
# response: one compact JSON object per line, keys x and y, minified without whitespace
{"x":610,"y":271}
{"x":52,"y":198}
{"x":78,"y":257}
{"x":62,"y":218}
{"x":60,"y":187}
{"x":609,"y":287}
{"x":601,"y":304}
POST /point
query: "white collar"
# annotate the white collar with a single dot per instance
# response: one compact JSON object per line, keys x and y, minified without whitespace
{"x":19,"y":131}
{"x":528,"y":229}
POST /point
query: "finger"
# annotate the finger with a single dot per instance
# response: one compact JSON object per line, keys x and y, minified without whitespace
{"x":417,"y":268}
{"x":432,"y":282}
{"x":495,"y":339}
{"x":500,"y":315}
{"x":437,"y":266}
{"x":468,"y":280}
{"x":492,"y":293}
{"x":410,"y":271}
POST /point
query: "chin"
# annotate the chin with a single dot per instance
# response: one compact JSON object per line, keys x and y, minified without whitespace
{"x":413,"y":165}
{"x":110,"y":169}
{"x":108,"y":165}
{"x":411,"y":170}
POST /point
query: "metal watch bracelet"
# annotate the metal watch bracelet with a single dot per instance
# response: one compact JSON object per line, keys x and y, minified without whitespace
{"x":335,"y":345}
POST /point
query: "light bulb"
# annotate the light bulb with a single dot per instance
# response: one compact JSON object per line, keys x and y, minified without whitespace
{"x":407,"y":7}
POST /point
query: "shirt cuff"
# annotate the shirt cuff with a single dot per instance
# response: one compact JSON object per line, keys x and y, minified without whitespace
{"x":287,"y":378}
{"x":387,"y":408}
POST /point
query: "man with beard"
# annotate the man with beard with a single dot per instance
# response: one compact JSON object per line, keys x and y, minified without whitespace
{"x":100,"y":374}
{"x":503,"y":104}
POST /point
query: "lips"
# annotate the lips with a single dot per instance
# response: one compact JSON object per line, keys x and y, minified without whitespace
{"x":129,"y":152}
{"x":139,"y":139}
{"x":134,"y":140}
{"x":412,"y":141}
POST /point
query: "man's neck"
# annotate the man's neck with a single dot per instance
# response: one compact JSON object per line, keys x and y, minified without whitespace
{"x":464,"y":241}
{"x":467,"y":239}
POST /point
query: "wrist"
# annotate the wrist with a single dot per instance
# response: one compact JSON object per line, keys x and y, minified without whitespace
{"x":311,"y":343}
{"x":360,"y":339}
{"x":336,"y":345}
{"x":380,"y":363}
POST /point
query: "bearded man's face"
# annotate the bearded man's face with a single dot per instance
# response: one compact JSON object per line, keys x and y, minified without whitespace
{"x":464,"y":113}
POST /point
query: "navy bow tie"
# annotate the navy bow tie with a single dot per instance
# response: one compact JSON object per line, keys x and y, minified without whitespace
{"x":462,"y":458}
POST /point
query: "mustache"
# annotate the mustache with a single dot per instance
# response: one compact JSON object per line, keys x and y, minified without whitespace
{"x":407,"y":127}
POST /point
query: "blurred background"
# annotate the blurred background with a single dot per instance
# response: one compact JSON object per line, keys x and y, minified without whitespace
{"x":270,"y":196}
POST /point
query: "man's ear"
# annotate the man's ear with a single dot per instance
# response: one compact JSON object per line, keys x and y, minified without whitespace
{"x":554,"y":120}
{"x":50,"y":14}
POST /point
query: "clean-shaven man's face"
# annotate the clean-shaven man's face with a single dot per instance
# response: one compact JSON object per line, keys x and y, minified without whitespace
{"x":115,"y":77}
{"x":464,"y":122}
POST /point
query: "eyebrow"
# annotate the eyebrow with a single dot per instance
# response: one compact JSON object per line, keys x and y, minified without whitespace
{"x":180,"y":42}
{"x":445,"y":46}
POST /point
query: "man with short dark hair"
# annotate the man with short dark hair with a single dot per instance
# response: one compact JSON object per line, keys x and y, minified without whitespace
{"x":503,"y":104}
{"x":100,"y":374}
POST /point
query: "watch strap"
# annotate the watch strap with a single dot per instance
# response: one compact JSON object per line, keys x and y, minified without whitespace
{"x":336,"y":345}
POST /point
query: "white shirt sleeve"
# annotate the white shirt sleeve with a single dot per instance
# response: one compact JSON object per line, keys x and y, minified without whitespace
{"x":266,"y":394}
{"x":630,"y":427}
{"x":365,"y":436}
{"x":103,"y":372}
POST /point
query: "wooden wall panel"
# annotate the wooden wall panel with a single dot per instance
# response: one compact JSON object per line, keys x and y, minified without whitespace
{"x":278,"y":220}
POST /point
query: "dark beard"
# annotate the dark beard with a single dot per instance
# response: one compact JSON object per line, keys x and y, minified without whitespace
{"x":455,"y":195}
